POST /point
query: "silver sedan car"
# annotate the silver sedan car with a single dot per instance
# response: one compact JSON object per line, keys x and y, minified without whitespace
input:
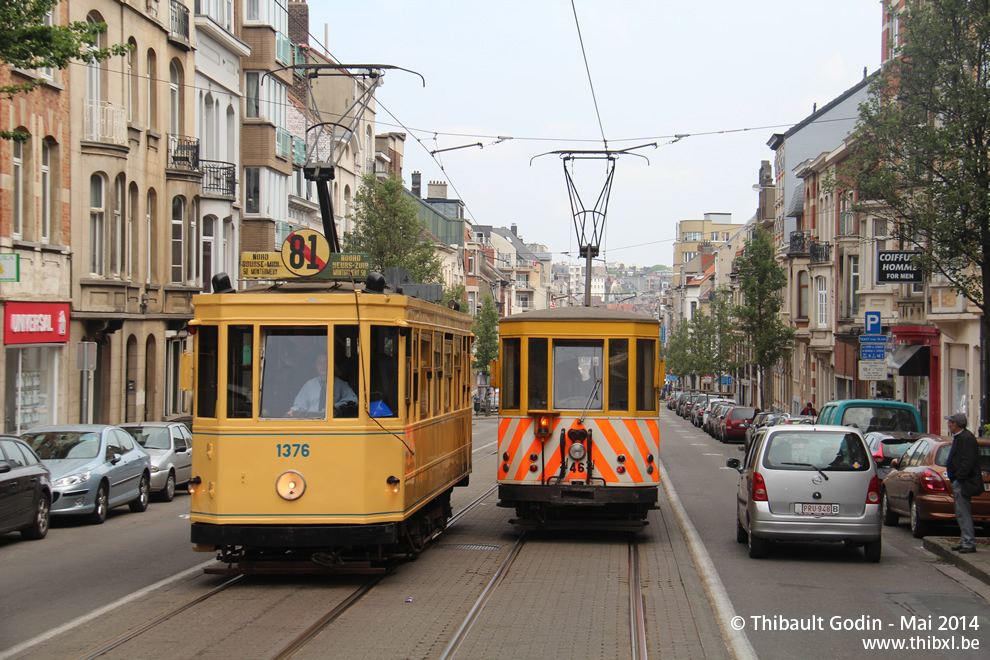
{"x":170,"y":446}
{"x":808,"y":483}
{"x":94,"y":467}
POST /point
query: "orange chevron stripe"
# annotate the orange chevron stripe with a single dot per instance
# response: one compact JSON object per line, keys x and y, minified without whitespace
{"x":521,"y":429}
{"x":619,"y":447}
{"x":535,"y":447}
{"x":641,"y":443}
{"x":503,"y":428}
{"x":553,"y":464}
{"x":602,"y":466}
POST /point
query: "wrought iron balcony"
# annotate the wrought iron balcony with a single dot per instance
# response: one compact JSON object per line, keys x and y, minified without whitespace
{"x":178,"y":25}
{"x":800,"y":242}
{"x":821,"y":252}
{"x":183,"y":153}
{"x":218,"y":177}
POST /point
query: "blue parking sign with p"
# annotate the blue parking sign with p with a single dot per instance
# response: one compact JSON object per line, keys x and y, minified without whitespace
{"x":872,"y":323}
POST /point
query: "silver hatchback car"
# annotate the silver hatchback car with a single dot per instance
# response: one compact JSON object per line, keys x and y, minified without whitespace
{"x":170,"y":446}
{"x":808,"y":483}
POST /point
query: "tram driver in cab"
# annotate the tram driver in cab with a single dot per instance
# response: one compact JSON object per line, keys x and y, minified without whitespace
{"x":312,"y":397}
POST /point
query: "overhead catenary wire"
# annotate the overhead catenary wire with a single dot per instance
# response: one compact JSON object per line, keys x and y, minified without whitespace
{"x":591,"y":84}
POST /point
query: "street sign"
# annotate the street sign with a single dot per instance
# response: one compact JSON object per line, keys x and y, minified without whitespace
{"x":898,"y":266}
{"x":872,"y":370}
{"x":872,"y":351}
{"x":872,"y":323}
{"x":725,"y":381}
{"x":873,"y":339}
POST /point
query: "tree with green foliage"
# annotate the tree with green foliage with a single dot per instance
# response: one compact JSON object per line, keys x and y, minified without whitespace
{"x":921,"y":151}
{"x":680,"y":354}
{"x":387,"y":228}
{"x":28,"y":42}
{"x":486,"y":335}
{"x":761,"y":280}
{"x":715,"y":337}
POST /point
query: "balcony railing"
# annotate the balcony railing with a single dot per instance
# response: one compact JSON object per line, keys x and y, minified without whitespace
{"x":219,"y":178}
{"x":178,"y":25}
{"x":298,"y":151}
{"x":800,"y":242}
{"x":283,"y":142}
{"x":283,"y":49}
{"x":183,"y":153}
{"x":821,"y":252}
{"x":848,"y":223}
{"x":105,"y":122}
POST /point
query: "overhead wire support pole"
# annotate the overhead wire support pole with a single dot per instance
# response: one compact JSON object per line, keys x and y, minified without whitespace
{"x":322,"y":170}
{"x":589,"y":247}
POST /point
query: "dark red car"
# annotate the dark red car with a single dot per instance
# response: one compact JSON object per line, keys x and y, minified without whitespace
{"x":735,"y":423}
{"x":917,"y":487}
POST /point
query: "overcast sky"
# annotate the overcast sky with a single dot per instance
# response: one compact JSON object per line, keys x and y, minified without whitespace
{"x":660,"y":68}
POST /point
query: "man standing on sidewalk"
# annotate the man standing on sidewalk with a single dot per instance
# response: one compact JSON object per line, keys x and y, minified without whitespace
{"x":963,"y":469}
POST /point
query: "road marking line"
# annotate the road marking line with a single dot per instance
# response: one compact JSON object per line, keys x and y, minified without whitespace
{"x":736,"y":640}
{"x":86,"y":618}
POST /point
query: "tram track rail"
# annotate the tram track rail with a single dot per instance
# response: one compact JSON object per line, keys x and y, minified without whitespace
{"x":297,"y":643}
{"x":637,"y":615}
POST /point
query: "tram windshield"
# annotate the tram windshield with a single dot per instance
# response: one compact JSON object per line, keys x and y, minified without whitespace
{"x":577,"y":375}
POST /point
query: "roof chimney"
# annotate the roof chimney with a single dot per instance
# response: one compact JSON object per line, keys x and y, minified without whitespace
{"x":515,"y":231}
{"x":436,"y":190}
{"x":417,"y":184}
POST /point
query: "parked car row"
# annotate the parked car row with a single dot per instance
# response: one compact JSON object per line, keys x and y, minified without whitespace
{"x":87,"y":469}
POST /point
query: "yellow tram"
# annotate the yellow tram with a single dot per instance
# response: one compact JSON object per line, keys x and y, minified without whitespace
{"x":351,"y":471}
{"x":578,"y":435}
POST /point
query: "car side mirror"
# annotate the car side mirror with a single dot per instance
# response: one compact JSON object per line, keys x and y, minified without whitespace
{"x":733,"y":463}
{"x":895,"y":462}
{"x":116,"y":459}
{"x":4,"y":467}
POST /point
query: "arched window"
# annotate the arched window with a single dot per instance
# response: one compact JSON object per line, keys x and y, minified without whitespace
{"x":97,"y":214}
{"x":47,"y":189}
{"x":152,"y":91}
{"x":151,"y":239}
{"x":802,"y":310}
{"x":178,"y":227}
{"x":129,"y":80}
{"x":174,"y":99}
{"x":208,"y":251}
{"x":133,"y":248}
{"x":117,"y":227}
{"x":17,"y":176}
{"x":822,"y":288}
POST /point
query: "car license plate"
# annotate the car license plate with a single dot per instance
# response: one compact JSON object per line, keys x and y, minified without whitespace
{"x":817,"y":509}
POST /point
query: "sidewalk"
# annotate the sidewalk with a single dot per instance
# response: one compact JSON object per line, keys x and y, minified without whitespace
{"x":976,"y":564}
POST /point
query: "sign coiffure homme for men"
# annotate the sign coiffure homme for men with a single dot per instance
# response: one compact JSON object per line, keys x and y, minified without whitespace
{"x":897,"y":267}
{"x":35,"y":323}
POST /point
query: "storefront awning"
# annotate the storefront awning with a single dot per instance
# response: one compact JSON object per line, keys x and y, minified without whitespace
{"x":910,"y":360}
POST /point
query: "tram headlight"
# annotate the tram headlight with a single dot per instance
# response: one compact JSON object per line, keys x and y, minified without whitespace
{"x":577,"y":451}
{"x":290,"y":485}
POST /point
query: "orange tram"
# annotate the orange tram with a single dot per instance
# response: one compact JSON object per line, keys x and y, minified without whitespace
{"x":578,"y":435}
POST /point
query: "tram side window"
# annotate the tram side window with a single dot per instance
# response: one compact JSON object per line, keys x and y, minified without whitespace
{"x":511,"y":360}
{"x":538,"y":376}
{"x":425,"y":371}
{"x":646,"y":360}
{"x":618,"y":374}
{"x":577,"y":374}
{"x":240,"y":371}
{"x":346,"y":367}
{"x":293,"y":372}
{"x":384,"y":381}
{"x":207,"y":370}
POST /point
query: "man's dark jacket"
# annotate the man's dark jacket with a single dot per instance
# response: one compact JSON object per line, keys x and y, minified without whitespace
{"x":964,"y":463}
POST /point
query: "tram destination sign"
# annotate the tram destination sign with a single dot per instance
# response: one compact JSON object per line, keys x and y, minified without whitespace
{"x":898,"y":267}
{"x":270,"y":266}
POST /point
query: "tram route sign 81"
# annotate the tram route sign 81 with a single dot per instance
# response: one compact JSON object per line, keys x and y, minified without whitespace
{"x":305,"y":253}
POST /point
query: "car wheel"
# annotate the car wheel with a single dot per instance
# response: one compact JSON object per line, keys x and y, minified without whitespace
{"x":741,"y":535}
{"x":141,"y":503}
{"x":757,"y":546}
{"x":919,"y":528}
{"x":42,"y":518}
{"x":102,"y":504}
{"x":872,"y":551}
{"x":890,"y":518}
{"x":168,"y":492}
